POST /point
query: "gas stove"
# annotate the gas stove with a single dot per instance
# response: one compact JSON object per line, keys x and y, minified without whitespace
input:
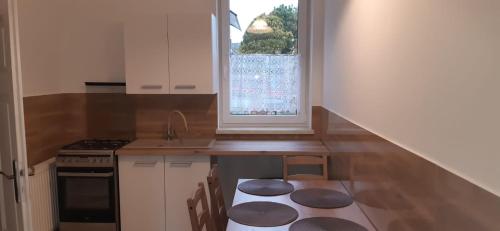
{"x":94,"y":145}
{"x":89,"y":153}
{"x":87,"y":185}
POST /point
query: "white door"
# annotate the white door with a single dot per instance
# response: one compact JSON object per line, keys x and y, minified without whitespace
{"x":182,"y":175}
{"x":142,"y":195}
{"x":191,"y":49}
{"x":11,"y":182}
{"x":146,"y":54}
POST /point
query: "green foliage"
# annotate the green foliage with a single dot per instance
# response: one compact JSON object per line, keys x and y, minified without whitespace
{"x":289,"y":16}
{"x":281,"y":40}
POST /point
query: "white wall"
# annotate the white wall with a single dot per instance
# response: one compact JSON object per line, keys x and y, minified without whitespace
{"x":39,"y":39}
{"x":91,"y":47}
{"x":424,"y":74}
{"x":65,"y":43}
{"x":316,"y":51}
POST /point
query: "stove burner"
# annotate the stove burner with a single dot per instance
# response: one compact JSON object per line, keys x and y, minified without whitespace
{"x":96,"y":144}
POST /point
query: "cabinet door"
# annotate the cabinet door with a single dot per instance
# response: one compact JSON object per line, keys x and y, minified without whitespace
{"x":182,"y":175}
{"x":192,"y":52}
{"x":142,"y":193}
{"x":146,"y":53}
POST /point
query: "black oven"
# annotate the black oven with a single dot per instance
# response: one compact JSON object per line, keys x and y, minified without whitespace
{"x":87,"y":186}
{"x":87,"y":195}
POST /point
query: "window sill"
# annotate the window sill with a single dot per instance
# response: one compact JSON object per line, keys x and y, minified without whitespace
{"x":265,"y":131}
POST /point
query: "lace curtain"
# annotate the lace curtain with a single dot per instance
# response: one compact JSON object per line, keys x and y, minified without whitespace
{"x":264,"y":84}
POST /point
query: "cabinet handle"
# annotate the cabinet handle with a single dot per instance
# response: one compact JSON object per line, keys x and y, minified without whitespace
{"x":185,"y":87}
{"x":181,"y":164}
{"x":145,"y":163}
{"x":151,"y":87}
{"x":77,"y":174}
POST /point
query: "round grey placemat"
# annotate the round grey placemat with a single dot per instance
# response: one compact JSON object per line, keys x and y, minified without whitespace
{"x":325,"y":224}
{"x":266,"y":187}
{"x":262,"y":214}
{"x":321,"y":198}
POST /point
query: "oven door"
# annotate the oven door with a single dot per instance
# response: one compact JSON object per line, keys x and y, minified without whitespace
{"x":86,"y":195}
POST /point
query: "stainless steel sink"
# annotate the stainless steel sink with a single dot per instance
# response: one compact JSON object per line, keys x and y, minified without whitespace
{"x":186,"y":143}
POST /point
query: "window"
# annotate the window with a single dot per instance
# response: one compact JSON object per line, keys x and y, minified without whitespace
{"x":264,"y":64}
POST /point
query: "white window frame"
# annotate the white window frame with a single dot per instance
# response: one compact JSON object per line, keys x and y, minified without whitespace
{"x":265,"y":124}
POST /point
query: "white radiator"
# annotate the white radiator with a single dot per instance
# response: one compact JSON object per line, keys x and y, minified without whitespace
{"x":43,"y":196}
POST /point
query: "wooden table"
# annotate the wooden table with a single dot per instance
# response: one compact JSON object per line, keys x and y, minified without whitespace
{"x":352,"y":212}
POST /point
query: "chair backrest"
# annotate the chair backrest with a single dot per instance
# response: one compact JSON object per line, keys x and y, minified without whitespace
{"x":200,"y":220}
{"x":218,"y":206}
{"x":305,"y":161}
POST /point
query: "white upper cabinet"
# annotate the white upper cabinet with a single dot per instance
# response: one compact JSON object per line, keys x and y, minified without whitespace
{"x":192,"y":54}
{"x":146,"y":53}
{"x":171,"y":53}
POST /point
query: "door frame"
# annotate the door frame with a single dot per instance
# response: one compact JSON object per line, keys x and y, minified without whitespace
{"x":20,"y":138}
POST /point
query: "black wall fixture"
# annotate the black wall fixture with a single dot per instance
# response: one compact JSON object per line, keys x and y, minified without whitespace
{"x":103,"y":84}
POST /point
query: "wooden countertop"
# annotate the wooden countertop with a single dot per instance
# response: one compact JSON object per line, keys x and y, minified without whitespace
{"x":232,"y":148}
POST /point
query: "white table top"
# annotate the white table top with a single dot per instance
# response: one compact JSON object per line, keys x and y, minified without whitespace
{"x":352,"y":212}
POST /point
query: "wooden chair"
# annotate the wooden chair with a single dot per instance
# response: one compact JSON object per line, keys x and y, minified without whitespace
{"x":200,"y":220}
{"x":305,"y":161}
{"x":218,"y":206}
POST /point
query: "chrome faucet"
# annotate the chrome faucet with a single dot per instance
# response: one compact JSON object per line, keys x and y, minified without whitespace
{"x":171,"y":134}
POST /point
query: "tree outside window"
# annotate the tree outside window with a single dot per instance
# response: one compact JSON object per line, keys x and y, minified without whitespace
{"x":280,"y":38}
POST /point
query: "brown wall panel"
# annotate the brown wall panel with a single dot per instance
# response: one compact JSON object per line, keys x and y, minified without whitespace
{"x":152,"y":113}
{"x":55,"y":120}
{"x":52,"y":121}
{"x":110,"y":116}
{"x":46,"y":123}
{"x":396,"y":189}
{"x":399,"y":190}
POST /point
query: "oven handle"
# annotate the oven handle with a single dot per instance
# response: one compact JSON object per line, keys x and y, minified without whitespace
{"x":80,"y":174}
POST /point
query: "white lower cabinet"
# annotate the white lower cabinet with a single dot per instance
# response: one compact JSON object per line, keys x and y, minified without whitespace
{"x":142,"y":184}
{"x":154,"y":190}
{"x":182,"y":175}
